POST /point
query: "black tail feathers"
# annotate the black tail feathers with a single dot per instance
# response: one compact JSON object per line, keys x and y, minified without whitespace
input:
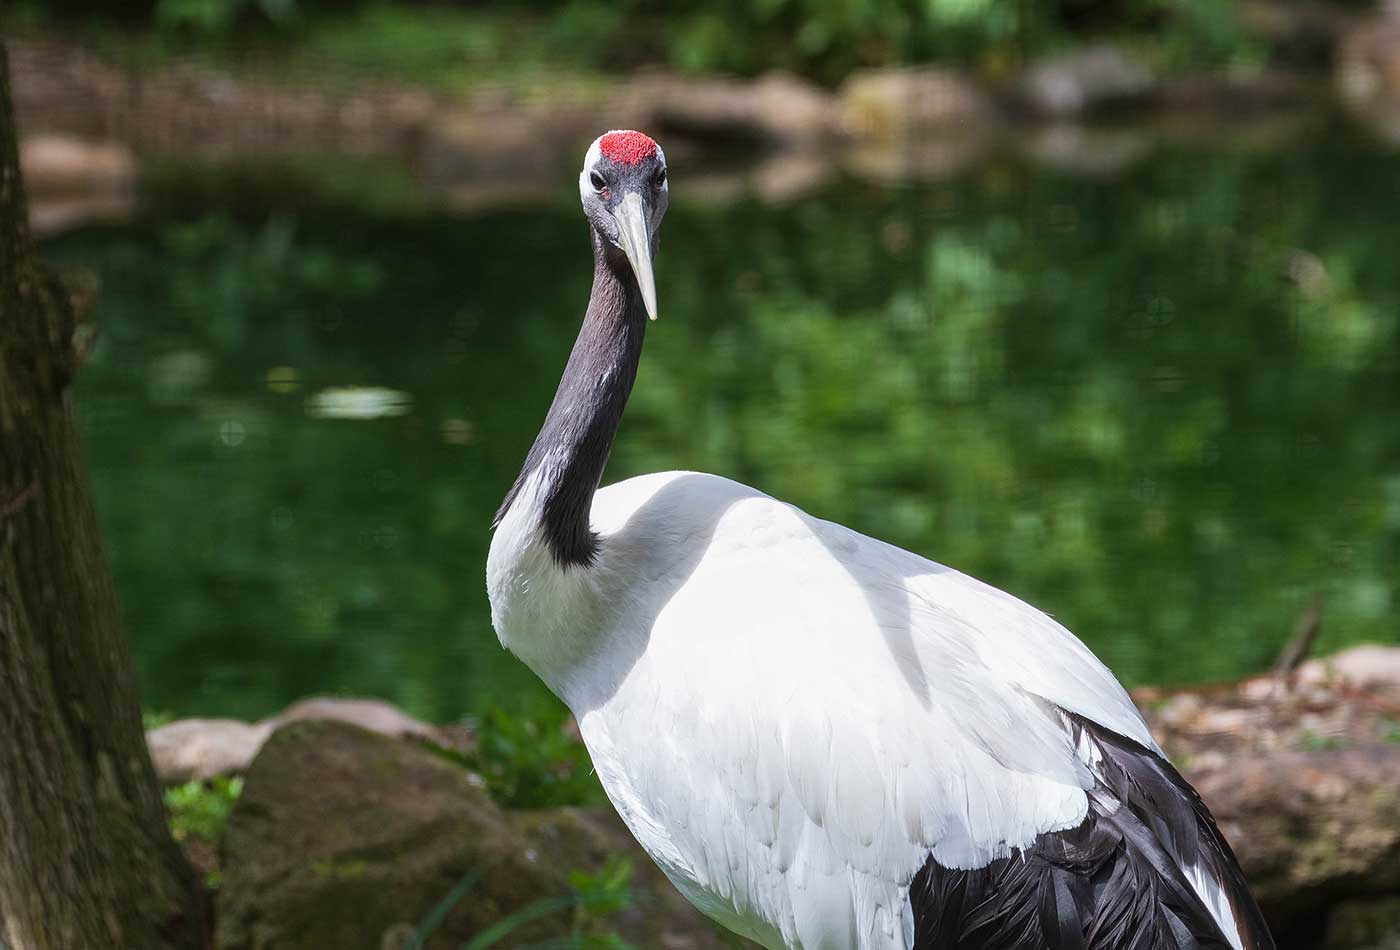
{"x":1118,"y":881}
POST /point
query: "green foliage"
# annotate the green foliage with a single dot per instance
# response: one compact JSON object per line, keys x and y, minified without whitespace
{"x":503,"y":928}
{"x":827,"y":40}
{"x":1160,"y":407}
{"x":457,"y":45}
{"x":219,"y":16}
{"x":532,"y":762}
{"x":153,"y":719}
{"x":594,"y":897}
{"x":448,"y":47}
{"x":429,"y":925}
{"x":1196,"y":33}
{"x":601,"y":896}
{"x":201,"y":809}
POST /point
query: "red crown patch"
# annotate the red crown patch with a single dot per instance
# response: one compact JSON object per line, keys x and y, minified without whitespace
{"x":627,"y":148}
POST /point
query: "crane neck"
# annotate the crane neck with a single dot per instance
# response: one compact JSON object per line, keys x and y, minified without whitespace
{"x":573,"y":445}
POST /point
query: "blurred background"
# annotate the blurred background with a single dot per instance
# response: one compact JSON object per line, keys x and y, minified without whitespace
{"x":1097,"y":301}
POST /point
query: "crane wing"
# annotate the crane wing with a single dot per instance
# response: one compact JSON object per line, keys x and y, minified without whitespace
{"x":828,"y":716}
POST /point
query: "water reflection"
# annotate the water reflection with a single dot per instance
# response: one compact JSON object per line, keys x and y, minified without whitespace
{"x":1160,"y":405}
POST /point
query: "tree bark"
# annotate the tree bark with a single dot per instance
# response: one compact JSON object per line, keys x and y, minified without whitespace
{"x":86,"y":858}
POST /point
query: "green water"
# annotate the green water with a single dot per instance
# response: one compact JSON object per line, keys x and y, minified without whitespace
{"x":1163,"y":406}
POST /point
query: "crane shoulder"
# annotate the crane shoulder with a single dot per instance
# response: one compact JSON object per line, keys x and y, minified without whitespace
{"x":798,"y":717}
{"x":766,"y":566}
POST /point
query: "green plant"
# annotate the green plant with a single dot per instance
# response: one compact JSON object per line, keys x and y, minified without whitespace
{"x":595,"y":897}
{"x":452,"y":45}
{"x":219,"y":16}
{"x":512,"y":922}
{"x":532,"y":762}
{"x":429,"y":925}
{"x":201,"y":809}
{"x":601,"y":896}
{"x":154,"y":719}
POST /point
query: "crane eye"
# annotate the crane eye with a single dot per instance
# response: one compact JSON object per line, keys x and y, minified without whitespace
{"x":660,"y":179}
{"x":599,"y":183}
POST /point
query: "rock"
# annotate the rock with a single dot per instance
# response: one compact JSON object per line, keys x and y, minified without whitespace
{"x":1303,"y":774}
{"x":1090,"y":81}
{"x":788,"y":176}
{"x":1368,"y":59}
{"x":479,"y":157}
{"x":1311,"y":829}
{"x":1341,"y":701}
{"x":74,"y":181}
{"x":341,"y":835}
{"x":51,"y":215}
{"x":1367,"y":75}
{"x":1368,"y":666}
{"x":926,"y":159}
{"x":199,"y":749}
{"x":66,"y":163}
{"x":794,"y":110}
{"x":775,"y":109}
{"x":894,"y":103}
{"x":1232,"y":96}
{"x":1087,"y":150}
{"x":347,"y":838}
{"x":372,"y":714}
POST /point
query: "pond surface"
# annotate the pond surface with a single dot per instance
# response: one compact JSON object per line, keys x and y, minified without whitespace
{"x":1163,"y":406}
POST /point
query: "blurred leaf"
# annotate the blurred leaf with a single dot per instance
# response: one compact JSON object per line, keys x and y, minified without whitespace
{"x":201,"y":809}
{"x":530,"y":762}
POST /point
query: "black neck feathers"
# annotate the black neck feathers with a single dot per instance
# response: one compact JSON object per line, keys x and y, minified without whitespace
{"x":573,"y":445}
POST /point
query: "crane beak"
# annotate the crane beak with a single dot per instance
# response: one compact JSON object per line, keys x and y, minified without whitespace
{"x":635,"y":240}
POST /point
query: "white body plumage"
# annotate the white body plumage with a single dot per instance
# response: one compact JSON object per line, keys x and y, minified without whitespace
{"x":790,"y":716}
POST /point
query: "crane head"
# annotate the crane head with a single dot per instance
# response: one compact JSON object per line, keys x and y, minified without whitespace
{"x":624,"y":190}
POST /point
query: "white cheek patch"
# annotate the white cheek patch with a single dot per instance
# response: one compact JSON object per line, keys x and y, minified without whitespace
{"x":585,"y":187}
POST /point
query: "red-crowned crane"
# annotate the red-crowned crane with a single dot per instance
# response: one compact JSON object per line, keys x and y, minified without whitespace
{"x":826,"y":742}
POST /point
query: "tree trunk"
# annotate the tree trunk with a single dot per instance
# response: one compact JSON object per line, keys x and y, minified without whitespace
{"x":86,"y":859}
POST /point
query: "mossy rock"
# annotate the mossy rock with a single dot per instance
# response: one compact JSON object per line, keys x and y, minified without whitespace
{"x":1313,"y":829}
{"x":347,"y":839}
{"x":342,"y":836}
